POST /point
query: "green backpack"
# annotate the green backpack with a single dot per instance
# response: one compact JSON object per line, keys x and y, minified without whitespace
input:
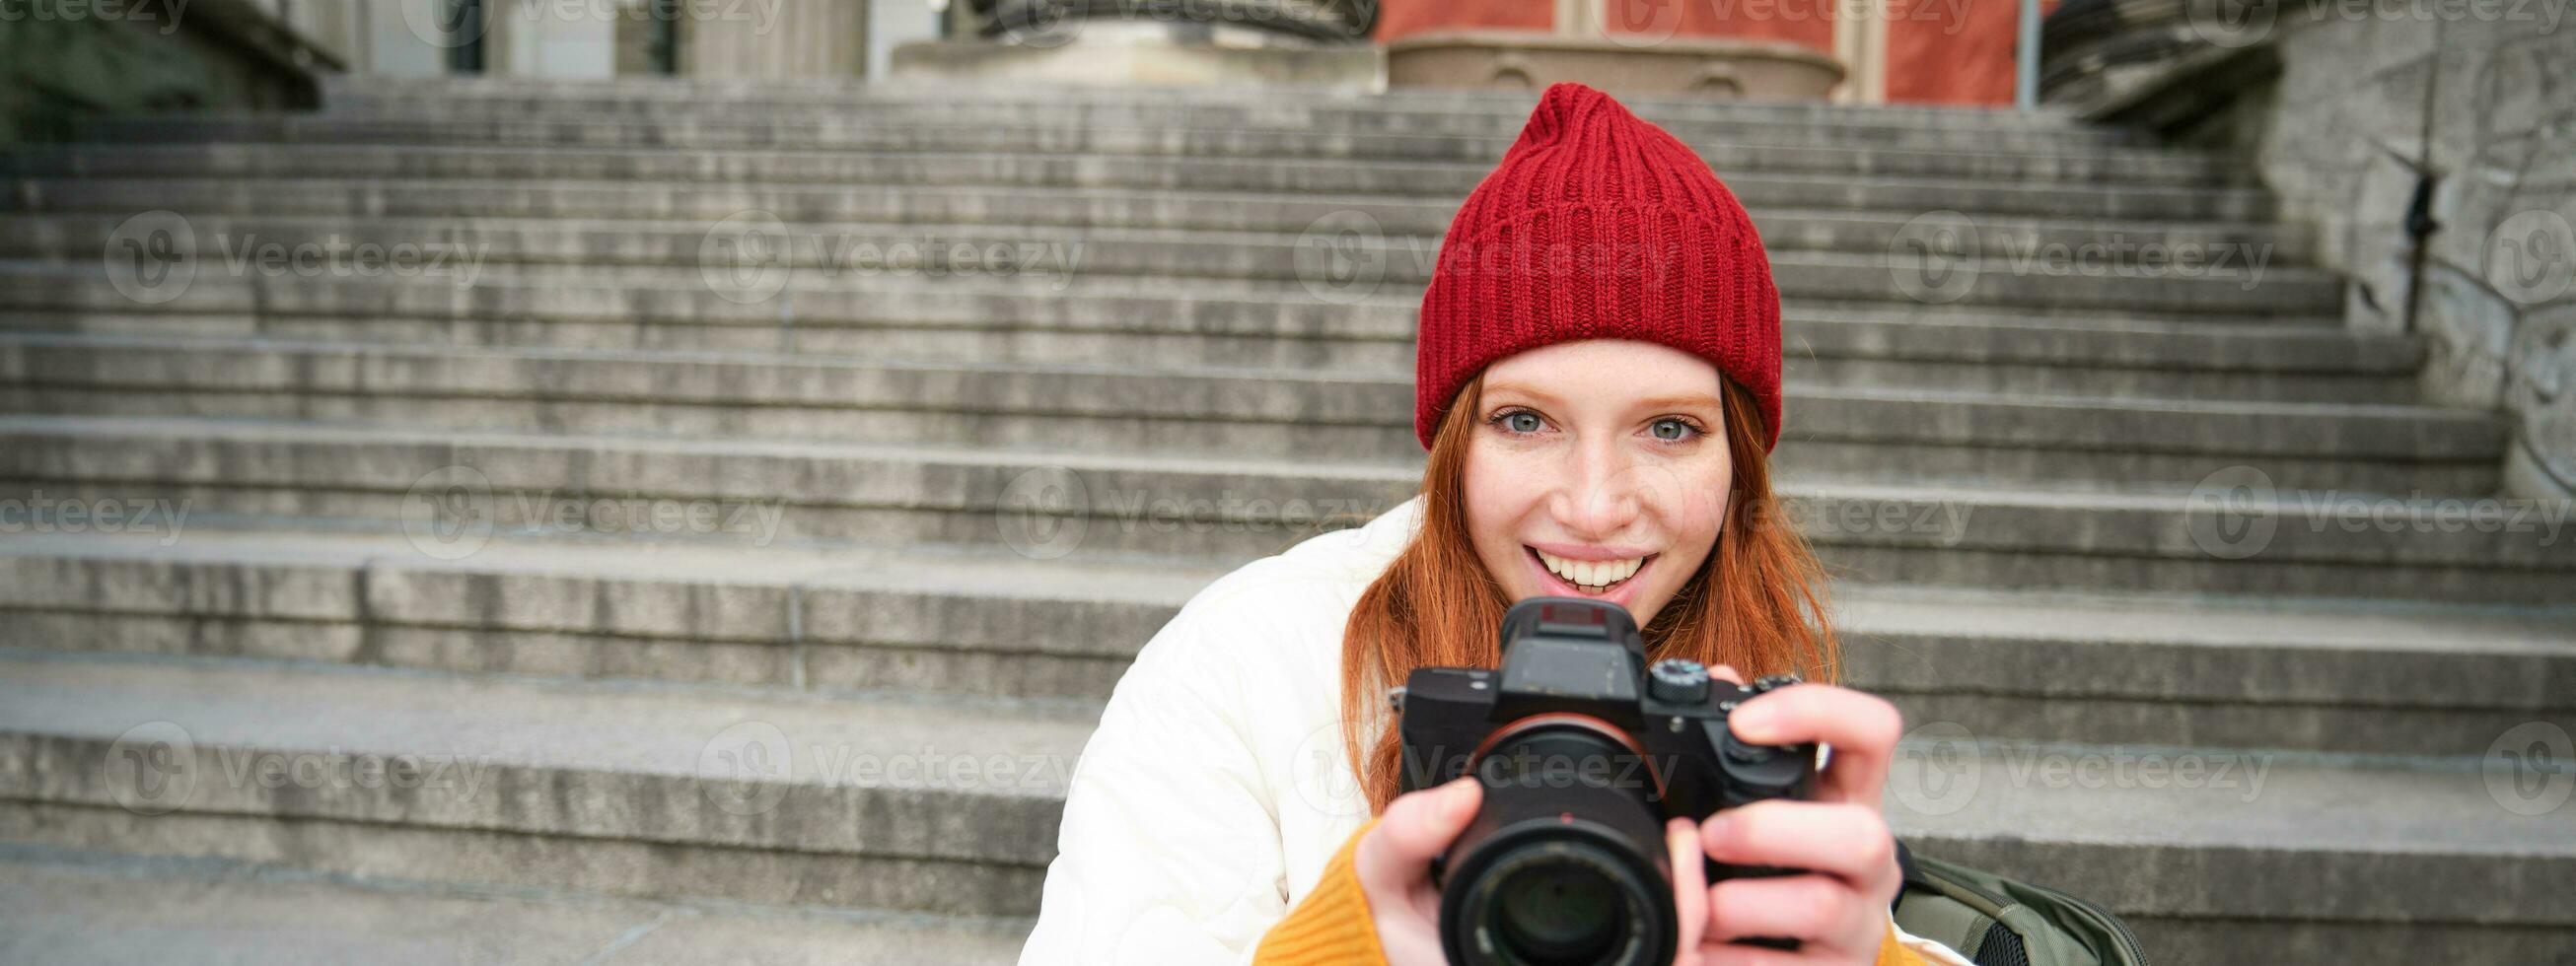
{"x":1995,"y":921}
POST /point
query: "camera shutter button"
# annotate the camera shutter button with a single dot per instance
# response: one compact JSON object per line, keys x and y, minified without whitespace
{"x":1676,"y":680}
{"x":1748,"y":754}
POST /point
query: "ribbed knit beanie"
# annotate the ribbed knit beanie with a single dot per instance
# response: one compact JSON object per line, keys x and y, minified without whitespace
{"x":1598,"y":225}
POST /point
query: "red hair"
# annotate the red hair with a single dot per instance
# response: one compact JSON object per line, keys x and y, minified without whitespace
{"x":1757,"y":603}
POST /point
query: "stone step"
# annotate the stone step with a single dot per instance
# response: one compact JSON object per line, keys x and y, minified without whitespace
{"x":2162,"y":351}
{"x":720,"y":125}
{"x":2102,"y":668}
{"x":64,"y":906}
{"x":1007,"y":191}
{"x":1390,"y":163}
{"x":1396,"y":109}
{"x":1840,"y":430}
{"x":1323,"y":256}
{"x":1995,"y":353}
{"x":2236,"y":534}
{"x":874,"y":804}
{"x":607,"y":789}
{"x":771,"y":292}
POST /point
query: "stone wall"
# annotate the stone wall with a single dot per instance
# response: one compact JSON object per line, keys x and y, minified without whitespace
{"x":2482,"y":96}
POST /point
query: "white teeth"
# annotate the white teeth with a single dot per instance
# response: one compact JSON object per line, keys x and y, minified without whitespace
{"x":1590,"y":574}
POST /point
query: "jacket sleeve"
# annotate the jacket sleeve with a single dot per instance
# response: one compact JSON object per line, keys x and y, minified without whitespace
{"x":1332,"y":925}
{"x":1169,"y":851}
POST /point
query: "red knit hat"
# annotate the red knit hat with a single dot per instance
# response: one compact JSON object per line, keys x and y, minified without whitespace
{"x":1597,"y":225}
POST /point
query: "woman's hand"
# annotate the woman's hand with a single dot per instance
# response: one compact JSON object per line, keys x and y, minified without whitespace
{"x":1394,"y":865}
{"x":1837,"y":909}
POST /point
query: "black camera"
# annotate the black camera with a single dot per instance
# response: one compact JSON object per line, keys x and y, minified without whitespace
{"x":1585,"y":752}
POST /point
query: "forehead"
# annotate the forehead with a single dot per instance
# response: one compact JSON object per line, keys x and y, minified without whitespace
{"x":1604,"y":369}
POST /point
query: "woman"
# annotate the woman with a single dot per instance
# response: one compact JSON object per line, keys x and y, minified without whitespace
{"x":1598,"y":384}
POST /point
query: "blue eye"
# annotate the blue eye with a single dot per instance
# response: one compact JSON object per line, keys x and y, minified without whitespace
{"x":1673,"y":429}
{"x":1521,"y":421}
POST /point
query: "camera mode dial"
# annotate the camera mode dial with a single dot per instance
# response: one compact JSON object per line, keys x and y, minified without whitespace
{"x":1676,"y":680}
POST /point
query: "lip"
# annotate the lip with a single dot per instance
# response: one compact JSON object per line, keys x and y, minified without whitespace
{"x":1554,"y":585}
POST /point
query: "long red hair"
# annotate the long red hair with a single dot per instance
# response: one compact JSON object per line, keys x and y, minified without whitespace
{"x":1756,"y":604}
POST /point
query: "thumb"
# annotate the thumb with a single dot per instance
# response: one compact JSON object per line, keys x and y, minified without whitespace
{"x":1416,"y":827}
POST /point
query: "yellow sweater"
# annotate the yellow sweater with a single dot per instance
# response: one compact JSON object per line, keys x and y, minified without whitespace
{"x":1332,"y":924}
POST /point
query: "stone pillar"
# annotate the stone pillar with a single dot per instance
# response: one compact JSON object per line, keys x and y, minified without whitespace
{"x":777,"y":40}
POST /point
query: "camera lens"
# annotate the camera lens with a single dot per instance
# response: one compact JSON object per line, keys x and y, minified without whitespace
{"x":1558,"y":910}
{"x":1564,"y":862}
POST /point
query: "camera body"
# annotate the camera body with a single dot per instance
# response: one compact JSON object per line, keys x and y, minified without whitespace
{"x":1585,"y":751}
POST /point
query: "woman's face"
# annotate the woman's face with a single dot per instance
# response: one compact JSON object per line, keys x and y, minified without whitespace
{"x":1598,"y":469}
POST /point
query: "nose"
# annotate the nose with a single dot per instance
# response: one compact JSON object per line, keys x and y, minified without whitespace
{"x":1597,"y":496}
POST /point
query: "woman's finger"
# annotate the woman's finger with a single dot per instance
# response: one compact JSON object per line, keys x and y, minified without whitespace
{"x":1850,"y":842}
{"x":1690,"y":887}
{"x":1393,"y":862}
{"x":1862,"y":729}
{"x":1813,"y":909}
{"x":1727,"y":673}
{"x":1397,"y":853}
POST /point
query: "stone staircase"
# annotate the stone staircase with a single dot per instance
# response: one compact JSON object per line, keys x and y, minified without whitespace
{"x":594,"y":595}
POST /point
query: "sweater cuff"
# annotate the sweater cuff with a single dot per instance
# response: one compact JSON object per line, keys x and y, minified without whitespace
{"x":1332,"y":924}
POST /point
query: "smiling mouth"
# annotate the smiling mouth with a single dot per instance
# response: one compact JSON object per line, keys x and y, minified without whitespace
{"x":1592,"y":576}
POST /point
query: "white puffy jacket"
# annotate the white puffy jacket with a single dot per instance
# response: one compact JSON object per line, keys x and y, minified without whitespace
{"x":1216,"y":788}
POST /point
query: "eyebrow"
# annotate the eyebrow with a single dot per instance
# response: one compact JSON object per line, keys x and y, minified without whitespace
{"x":1684,"y":401}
